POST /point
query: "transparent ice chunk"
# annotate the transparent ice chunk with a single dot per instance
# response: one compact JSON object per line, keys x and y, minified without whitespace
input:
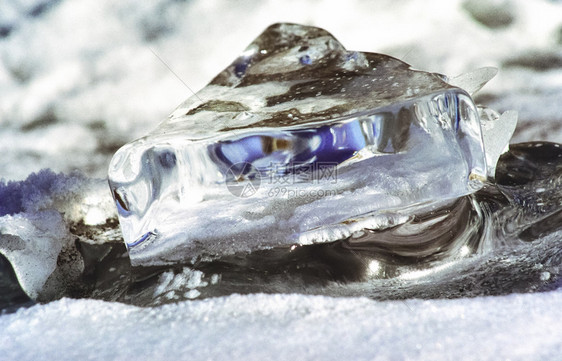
{"x":297,"y":141}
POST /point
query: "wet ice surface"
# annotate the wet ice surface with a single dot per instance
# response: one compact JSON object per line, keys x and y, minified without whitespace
{"x":51,"y":91}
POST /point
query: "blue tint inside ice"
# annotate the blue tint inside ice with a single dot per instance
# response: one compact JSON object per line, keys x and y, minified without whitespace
{"x":305,"y":60}
{"x":324,"y":145}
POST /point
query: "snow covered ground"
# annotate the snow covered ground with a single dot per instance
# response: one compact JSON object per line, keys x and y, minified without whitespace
{"x":80,"y":78}
{"x":289,"y":327}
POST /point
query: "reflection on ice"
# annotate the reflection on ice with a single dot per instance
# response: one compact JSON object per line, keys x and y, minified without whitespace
{"x":502,"y":239}
{"x":298,"y":141}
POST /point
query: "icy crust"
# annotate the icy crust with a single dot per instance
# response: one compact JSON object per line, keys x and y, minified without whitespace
{"x":34,"y":224}
{"x":290,"y":327}
{"x":32,"y":243}
{"x":294,"y":142}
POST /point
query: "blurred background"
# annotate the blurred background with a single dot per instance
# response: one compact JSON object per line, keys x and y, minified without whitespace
{"x":79,"y":78}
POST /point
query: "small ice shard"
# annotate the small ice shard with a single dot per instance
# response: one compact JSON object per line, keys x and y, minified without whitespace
{"x":497,"y":130}
{"x":296,"y":141}
{"x":474,"y":81}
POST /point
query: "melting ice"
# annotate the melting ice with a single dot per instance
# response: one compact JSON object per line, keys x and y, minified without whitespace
{"x":300,"y":141}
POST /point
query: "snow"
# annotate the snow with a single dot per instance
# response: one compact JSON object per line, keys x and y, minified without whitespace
{"x":78,"y":79}
{"x":34,"y":218}
{"x":168,"y":283}
{"x":289,"y":327}
{"x":32,"y":243}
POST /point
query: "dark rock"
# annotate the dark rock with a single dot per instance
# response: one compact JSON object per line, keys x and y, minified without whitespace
{"x":535,"y":61}
{"x":491,"y":14}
